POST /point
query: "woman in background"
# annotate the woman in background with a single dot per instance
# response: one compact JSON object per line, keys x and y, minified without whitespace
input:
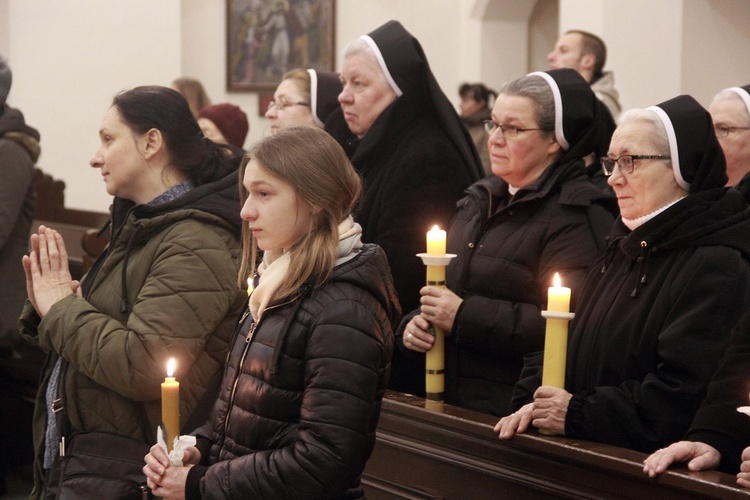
{"x":192,"y":90}
{"x":304,"y":97}
{"x":476,"y":107}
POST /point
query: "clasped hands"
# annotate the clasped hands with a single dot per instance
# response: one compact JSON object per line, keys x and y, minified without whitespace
{"x":48,"y":278}
{"x":438,"y":307}
{"x":166,"y":480}
{"x":547,"y":411}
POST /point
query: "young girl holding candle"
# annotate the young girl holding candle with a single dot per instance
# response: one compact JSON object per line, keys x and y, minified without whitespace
{"x":300,"y":399}
{"x":164,"y":287}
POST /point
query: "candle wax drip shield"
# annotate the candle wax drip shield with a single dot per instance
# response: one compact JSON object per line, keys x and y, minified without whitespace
{"x":558,"y":315}
{"x":436,"y":260}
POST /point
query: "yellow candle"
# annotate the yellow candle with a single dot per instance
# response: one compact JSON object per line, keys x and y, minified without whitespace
{"x":170,"y":405}
{"x":436,"y":241}
{"x":556,"y":336}
{"x":435,"y":357}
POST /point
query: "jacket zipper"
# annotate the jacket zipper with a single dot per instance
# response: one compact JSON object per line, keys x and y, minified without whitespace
{"x":230,"y":402}
{"x":246,"y":349}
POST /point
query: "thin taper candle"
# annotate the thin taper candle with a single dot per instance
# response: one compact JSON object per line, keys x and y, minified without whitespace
{"x":170,"y":405}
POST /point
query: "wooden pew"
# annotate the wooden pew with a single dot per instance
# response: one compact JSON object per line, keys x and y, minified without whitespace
{"x":453,"y":453}
{"x":79,"y":228}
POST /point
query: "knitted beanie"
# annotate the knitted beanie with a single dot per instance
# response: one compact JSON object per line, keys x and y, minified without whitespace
{"x":230,"y":120}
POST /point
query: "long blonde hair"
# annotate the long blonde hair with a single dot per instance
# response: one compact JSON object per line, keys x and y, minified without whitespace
{"x":323,"y":178}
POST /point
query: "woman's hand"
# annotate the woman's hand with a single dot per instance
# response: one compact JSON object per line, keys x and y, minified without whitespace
{"x":417,"y":335}
{"x":514,"y":423}
{"x":439,"y":307}
{"x":550,"y":407}
{"x":743,"y":478}
{"x":164,"y":479}
{"x":48,"y":277}
{"x":699,"y":456}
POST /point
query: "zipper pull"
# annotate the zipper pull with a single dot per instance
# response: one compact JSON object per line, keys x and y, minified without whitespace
{"x":250,"y":333}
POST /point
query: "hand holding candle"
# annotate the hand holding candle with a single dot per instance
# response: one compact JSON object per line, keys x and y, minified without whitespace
{"x":170,"y":405}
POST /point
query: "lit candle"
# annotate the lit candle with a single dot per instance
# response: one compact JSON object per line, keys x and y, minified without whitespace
{"x":436,"y":241}
{"x":250,"y":286}
{"x":170,"y":405}
{"x":556,"y":336}
{"x":435,"y":357}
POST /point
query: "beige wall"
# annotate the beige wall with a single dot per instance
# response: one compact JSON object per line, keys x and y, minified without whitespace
{"x":70,"y":57}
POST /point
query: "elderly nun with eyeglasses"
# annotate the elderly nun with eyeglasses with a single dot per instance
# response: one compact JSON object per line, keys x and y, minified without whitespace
{"x":730,"y":111}
{"x":655,"y":313}
{"x":539,"y":214}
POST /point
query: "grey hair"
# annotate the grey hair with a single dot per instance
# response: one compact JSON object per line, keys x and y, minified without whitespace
{"x":731,"y":95}
{"x":659,"y":136}
{"x":360,"y":47}
{"x":538,"y":90}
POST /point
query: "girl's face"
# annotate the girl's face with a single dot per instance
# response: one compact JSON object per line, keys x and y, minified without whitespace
{"x":120,"y":159}
{"x":275,"y":215}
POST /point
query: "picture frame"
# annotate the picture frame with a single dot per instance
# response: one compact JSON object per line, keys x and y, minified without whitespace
{"x":267,"y":38}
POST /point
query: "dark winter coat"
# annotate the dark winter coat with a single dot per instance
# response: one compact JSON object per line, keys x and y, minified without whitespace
{"x":165,"y":287}
{"x":19,"y":150}
{"x":509,"y":248}
{"x":718,"y":423}
{"x":652,"y":322}
{"x":301,"y":394}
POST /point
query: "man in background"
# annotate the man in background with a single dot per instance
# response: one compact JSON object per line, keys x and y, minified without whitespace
{"x":587,"y":54}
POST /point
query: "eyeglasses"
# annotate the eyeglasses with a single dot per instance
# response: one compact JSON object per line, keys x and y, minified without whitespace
{"x":626,"y":162}
{"x":722,"y":131}
{"x":280,"y":105}
{"x":508,"y":131}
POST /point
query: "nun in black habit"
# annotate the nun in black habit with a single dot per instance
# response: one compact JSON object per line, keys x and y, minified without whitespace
{"x":406,"y":140}
{"x":655,"y":314}
{"x":537,"y":215}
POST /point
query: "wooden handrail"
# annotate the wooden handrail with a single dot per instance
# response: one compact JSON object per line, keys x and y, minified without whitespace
{"x":450,"y":452}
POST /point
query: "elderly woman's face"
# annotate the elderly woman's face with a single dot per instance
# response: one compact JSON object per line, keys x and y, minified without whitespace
{"x":522,"y":159}
{"x":652,"y":184}
{"x":736,"y":145}
{"x":365,"y":94}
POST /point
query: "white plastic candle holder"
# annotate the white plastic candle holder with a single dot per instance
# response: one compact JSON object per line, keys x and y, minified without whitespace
{"x":558,"y":315}
{"x":429,"y":259}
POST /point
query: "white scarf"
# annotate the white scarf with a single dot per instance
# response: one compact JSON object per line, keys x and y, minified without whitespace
{"x":275,"y":266}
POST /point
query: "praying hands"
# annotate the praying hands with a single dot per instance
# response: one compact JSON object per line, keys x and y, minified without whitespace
{"x":48,"y":278}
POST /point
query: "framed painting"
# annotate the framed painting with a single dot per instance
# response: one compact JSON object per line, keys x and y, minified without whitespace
{"x":267,"y":38}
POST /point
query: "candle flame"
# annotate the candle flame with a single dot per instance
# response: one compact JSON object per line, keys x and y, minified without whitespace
{"x":556,"y":282}
{"x":170,"y":367}
{"x":435,"y":228}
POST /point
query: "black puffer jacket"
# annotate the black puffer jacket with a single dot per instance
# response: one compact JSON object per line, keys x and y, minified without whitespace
{"x":300,"y":401}
{"x":653,"y":320}
{"x":506,"y":260}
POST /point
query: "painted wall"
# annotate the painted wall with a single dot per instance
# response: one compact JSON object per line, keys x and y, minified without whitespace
{"x":69,"y":57}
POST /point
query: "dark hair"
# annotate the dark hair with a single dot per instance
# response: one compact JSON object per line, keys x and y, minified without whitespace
{"x":592,"y":44}
{"x":477,"y":91}
{"x":164,"y":109}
